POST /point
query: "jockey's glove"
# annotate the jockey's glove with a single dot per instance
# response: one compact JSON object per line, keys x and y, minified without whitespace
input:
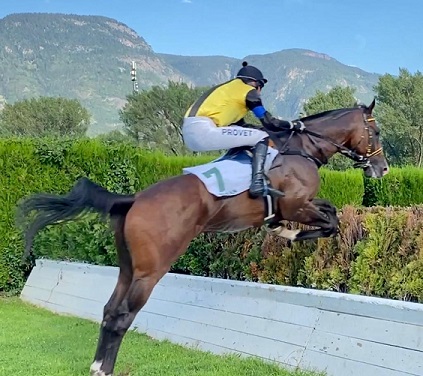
{"x":297,"y":126}
{"x":273,"y":124}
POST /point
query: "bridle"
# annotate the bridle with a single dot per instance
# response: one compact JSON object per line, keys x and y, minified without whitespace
{"x":362,"y":161}
{"x":369,"y":153}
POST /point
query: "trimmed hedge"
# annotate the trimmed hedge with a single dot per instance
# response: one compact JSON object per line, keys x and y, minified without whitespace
{"x":401,"y":187}
{"x":342,"y":188}
{"x":28,"y":166}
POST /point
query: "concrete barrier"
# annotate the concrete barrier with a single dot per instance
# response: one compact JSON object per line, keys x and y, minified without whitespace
{"x":342,"y":334}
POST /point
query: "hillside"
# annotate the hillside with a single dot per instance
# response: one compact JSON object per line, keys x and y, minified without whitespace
{"x":294,"y":75}
{"x":89,"y":57}
{"x":83,"y":57}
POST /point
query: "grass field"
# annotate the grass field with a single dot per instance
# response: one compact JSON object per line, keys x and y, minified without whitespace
{"x":36,"y":342}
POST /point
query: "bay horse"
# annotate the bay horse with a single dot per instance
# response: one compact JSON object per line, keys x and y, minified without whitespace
{"x":154,"y":227}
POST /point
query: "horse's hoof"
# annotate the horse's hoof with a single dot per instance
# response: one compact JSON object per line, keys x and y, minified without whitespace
{"x":99,"y":373}
{"x":283,"y":232}
{"x":95,"y":369}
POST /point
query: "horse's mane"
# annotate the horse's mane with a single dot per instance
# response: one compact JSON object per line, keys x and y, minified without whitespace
{"x":334,"y":114}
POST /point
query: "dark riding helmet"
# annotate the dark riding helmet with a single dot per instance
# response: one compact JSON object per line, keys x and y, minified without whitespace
{"x":249,"y":72}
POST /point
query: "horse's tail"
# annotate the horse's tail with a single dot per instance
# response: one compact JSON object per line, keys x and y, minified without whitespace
{"x":54,"y":209}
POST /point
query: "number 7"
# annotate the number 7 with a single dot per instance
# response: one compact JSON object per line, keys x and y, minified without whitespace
{"x":215,"y":171}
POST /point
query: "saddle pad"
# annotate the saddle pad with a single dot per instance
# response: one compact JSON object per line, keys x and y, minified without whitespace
{"x":228,"y":175}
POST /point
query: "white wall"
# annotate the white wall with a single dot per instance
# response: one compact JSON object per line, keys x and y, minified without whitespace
{"x":346,"y":335}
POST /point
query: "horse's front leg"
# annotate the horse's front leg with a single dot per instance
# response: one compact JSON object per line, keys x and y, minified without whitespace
{"x":318,"y":213}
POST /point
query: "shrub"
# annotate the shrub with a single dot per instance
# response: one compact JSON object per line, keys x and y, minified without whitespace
{"x":377,"y":252}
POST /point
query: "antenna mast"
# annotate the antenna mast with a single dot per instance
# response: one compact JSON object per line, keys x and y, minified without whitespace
{"x":134,"y":77}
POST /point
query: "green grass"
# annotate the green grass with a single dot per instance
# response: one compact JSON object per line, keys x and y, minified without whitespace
{"x":34,"y":341}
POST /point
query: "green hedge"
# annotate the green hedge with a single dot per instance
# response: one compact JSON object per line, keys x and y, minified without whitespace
{"x":342,"y":188}
{"x":29,"y":166}
{"x":401,"y":187}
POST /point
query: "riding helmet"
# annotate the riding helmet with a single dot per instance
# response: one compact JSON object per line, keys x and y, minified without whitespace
{"x":251,"y":73}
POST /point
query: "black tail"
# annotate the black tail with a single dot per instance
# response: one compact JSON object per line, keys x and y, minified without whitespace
{"x":53,"y":209}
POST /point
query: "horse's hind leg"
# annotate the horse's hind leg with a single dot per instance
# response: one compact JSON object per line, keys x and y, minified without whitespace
{"x":119,"y":293}
{"x":148,"y":268}
{"x":138,"y":294}
{"x":154,"y":240}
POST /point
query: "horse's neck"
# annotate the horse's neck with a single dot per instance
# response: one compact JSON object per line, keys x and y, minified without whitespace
{"x":329,"y":131}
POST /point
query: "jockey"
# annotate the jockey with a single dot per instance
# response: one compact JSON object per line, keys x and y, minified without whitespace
{"x":216,"y":121}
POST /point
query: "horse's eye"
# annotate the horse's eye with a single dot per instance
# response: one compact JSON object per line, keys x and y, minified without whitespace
{"x":377,"y":133}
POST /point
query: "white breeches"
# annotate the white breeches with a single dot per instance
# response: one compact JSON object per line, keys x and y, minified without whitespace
{"x":201,"y":134}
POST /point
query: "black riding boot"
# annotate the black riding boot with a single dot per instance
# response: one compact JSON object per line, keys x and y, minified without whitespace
{"x":258,"y":185}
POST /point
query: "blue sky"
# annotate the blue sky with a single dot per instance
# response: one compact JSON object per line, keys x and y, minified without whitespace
{"x":375,"y":35}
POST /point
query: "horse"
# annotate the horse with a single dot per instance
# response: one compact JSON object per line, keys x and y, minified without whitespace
{"x":152,"y":228}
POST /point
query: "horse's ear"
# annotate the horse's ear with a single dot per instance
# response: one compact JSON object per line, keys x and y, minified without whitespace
{"x":372,"y":106}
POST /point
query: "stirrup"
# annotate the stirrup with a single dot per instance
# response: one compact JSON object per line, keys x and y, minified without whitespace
{"x":267,"y":191}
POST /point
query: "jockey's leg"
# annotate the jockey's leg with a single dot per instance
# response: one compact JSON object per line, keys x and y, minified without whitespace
{"x":258,"y":185}
{"x":201,"y":134}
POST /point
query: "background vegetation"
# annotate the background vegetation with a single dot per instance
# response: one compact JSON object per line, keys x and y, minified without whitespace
{"x":373,"y":241}
{"x":44,"y":117}
{"x":88,"y":58}
{"x":44,"y":149}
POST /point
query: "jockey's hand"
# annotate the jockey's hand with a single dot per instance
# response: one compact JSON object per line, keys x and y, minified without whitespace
{"x":298,"y":126}
{"x":273,"y":124}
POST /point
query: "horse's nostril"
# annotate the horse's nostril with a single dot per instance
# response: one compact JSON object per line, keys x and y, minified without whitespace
{"x":385,"y":170}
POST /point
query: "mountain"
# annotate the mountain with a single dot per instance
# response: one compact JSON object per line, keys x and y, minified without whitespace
{"x":83,"y":57}
{"x":89,"y":58}
{"x":204,"y":70}
{"x":294,"y":76}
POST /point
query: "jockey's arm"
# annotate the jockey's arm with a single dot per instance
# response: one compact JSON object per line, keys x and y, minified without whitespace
{"x":269,"y":122}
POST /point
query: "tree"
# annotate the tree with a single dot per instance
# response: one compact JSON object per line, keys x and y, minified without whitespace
{"x":44,"y":116}
{"x":154,"y":117}
{"x":338,"y":97}
{"x":400,"y":114}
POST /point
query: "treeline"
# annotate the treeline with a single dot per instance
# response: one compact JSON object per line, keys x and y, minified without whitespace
{"x":152,"y":118}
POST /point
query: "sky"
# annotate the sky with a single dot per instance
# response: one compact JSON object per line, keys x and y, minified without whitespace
{"x":378,"y":36}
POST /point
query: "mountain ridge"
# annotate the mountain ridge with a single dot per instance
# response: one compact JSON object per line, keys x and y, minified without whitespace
{"x":89,"y":58}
